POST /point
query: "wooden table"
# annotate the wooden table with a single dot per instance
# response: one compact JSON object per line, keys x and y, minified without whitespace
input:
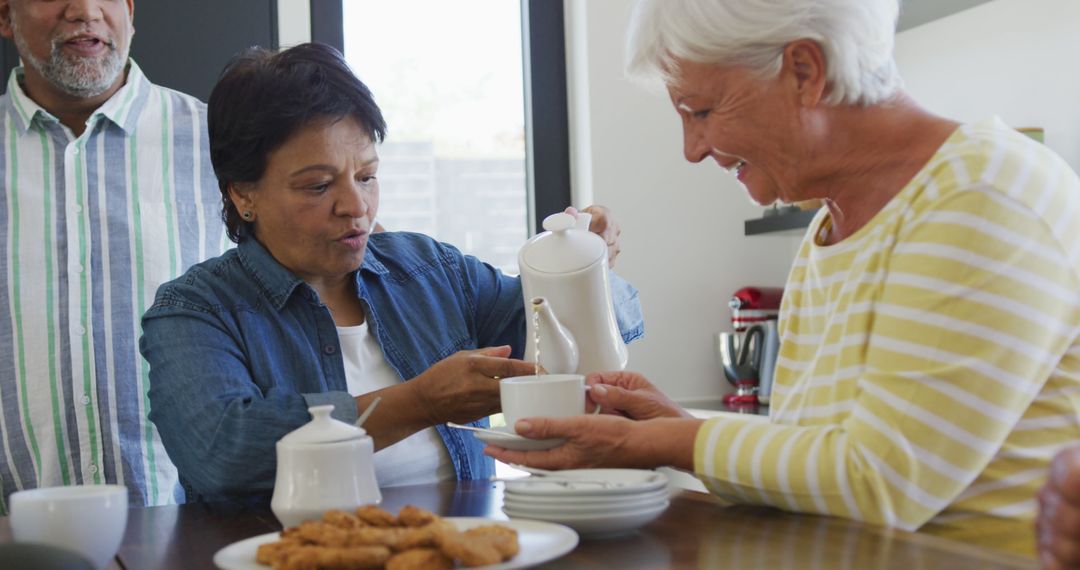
{"x":697,"y":531}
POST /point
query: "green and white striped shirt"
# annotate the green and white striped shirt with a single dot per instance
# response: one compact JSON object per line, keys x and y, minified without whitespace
{"x":91,"y":227}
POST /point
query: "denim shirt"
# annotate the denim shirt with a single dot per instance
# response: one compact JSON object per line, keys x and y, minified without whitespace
{"x":239,"y":348}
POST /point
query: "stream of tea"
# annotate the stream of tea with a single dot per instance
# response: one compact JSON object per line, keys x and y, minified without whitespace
{"x":536,"y":336}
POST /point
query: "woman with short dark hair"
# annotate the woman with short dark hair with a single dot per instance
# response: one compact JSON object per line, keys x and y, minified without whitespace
{"x":263,"y":97}
{"x":312,"y":307}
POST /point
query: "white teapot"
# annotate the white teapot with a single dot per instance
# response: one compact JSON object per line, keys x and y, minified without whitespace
{"x":324,"y":464}
{"x":565,"y":283}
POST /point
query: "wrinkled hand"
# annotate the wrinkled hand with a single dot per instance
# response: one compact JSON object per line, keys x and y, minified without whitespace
{"x":1057,"y":527}
{"x":629,"y":394}
{"x":592,"y":441}
{"x":465,"y":385}
{"x":606,"y":441}
{"x":604,"y":225}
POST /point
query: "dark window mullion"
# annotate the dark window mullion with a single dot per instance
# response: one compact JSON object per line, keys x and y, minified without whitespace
{"x":547,"y":126}
{"x":327,"y":23}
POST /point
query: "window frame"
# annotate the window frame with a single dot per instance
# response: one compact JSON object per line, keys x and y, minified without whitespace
{"x":547,"y":126}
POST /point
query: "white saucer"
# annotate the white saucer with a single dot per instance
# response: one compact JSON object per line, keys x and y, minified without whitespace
{"x":511,"y":440}
{"x":591,"y":483}
{"x":582,"y":505}
{"x":595,"y":525}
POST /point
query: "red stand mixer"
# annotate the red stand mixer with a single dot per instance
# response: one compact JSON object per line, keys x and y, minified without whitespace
{"x":748,"y":356}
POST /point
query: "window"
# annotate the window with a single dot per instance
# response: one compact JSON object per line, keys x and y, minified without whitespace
{"x":450,"y":84}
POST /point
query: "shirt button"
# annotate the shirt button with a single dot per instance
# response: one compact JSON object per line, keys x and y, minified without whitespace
{"x":77,"y":268}
{"x":75,"y":150}
{"x":80,"y":330}
{"x":92,"y":468}
{"x":329,"y":349}
{"x":85,"y":400}
{"x":76,"y":208}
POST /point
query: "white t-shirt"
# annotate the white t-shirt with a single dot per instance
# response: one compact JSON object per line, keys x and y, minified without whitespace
{"x":419,"y":458}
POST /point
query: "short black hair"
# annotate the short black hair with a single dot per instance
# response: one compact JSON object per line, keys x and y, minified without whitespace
{"x":262,"y":98}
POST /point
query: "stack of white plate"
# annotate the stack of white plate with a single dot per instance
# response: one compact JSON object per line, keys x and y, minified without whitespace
{"x":594,"y":502}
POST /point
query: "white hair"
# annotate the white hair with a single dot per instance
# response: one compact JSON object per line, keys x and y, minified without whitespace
{"x":856,"y":37}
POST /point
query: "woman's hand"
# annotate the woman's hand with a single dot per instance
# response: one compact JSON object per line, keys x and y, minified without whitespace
{"x":1058,"y":524}
{"x":629,"y":394}
{"x":605,"y":441}
{"x":604,"y":225}
{"x":464,"y":386}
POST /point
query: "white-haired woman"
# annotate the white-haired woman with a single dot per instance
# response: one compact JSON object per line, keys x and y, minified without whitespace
{"x":929,"y":323}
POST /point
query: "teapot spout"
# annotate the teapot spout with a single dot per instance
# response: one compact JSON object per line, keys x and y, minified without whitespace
{"x":557,"y":350}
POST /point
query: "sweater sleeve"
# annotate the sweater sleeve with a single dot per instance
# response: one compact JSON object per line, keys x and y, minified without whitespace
{"x":977,"y":306}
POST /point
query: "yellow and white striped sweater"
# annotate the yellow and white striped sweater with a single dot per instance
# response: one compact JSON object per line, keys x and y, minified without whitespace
{"x":930,"y":364}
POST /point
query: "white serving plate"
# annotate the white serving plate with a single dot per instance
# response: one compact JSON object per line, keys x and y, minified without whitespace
{"x":540,"y":542}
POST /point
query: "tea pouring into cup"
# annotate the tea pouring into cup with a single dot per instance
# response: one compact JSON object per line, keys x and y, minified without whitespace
{"x":567,"y":290}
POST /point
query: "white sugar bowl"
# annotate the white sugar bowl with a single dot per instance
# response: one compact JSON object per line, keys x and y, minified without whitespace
{"x":324,"y":464}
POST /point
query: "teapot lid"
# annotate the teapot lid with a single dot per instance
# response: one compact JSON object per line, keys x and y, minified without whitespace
{"x":323,"y":429}
{"x":567,"y":245}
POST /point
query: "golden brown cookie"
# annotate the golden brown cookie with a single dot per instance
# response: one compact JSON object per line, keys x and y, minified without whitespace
{"x":415,"y":516}
{"x":470,"y":551}
{"x":422,"y":537}
{"x":504,"y":539}
{"x":272,"y":553}
{"x":321,"y":534}
{"x":420,"y":559}
{"x":342,"y":519}
{"x":380,"y":536}
{"x":374,"y":516}
{"x":350,"y":558}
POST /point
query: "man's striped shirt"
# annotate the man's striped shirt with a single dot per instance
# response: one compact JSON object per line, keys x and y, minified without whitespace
{"x":90,"y":227}
{"x":930,"y":365}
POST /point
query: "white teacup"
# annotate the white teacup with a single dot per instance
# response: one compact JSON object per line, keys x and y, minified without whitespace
{"x":547,"y":395}
{"x":87,"y":519}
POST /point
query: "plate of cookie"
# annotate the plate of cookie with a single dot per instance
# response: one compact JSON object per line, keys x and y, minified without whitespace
{"x":371,"y":537}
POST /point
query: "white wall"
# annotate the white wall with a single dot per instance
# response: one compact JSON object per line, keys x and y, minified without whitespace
{"x":1013,"y":58}
{"x":683,"y":243}
{"x":294,"y":22}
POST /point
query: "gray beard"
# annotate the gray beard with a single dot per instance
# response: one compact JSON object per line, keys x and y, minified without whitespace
{"x":77,"y":76}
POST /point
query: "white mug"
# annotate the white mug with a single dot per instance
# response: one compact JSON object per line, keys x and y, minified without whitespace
{"x":547,"y":395}
{"x":86,"y":519}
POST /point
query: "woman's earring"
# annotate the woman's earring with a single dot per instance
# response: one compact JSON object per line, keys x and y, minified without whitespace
{"x":247,"y":215}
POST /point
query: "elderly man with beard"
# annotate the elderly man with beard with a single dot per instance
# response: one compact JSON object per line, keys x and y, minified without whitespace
{"x":107,"y":193}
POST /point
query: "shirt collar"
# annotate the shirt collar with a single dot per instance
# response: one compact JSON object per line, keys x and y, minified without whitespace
{"x":371,"y":261}
{"x":123,"y":108}
{"x":277,"y":282}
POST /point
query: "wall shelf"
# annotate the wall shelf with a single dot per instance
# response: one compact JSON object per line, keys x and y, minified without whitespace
{"x":780,"y":222}
{"x":918,"y":12}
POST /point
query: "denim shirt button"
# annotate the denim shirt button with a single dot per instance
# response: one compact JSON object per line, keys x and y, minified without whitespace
{"x":329,"y":349}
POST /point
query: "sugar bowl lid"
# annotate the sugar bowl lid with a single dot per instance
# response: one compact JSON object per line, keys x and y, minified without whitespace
{"x":323,"y":429}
